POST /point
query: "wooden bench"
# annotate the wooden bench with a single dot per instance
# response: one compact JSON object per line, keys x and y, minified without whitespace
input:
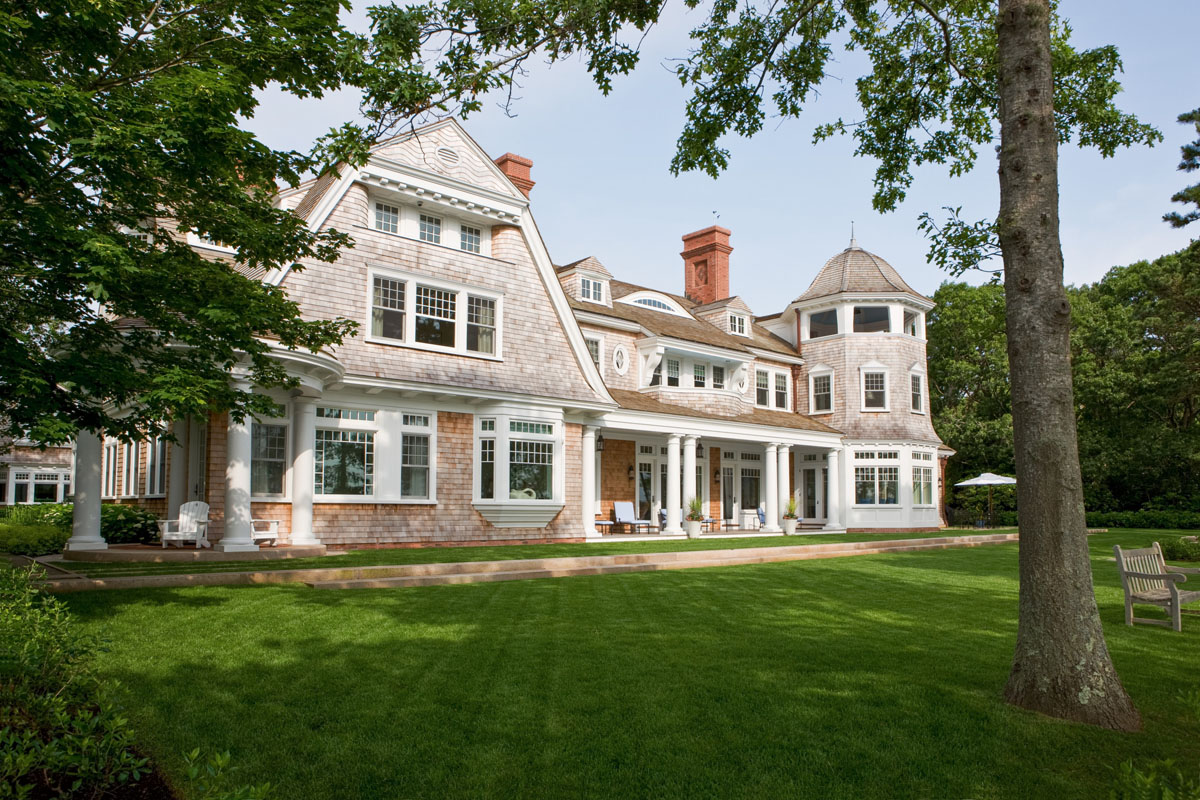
{"x":1148,"y":580}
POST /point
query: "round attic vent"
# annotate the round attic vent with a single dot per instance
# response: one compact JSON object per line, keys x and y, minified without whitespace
{"x":447,"y":156}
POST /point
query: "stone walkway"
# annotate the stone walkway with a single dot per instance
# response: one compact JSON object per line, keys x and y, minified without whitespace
{"x":408,"y":575}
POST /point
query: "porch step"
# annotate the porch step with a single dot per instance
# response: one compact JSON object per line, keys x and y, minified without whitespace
{"x":492,"y":571}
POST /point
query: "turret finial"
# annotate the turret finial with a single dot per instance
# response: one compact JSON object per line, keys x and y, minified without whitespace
{"x":853,"y":241}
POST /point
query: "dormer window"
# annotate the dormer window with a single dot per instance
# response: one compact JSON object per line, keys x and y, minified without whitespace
{"x":822,"y":323}
{"x":737,"y":324}
{"x":654,"y":300}
{"x":591,"y":289}
{"x":872,"y":319}
{"x":433,"y":228}
{"x":650,"y":302}
{"x":672,"y":372}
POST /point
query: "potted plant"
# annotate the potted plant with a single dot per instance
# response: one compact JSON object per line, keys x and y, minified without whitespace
{"x":694,"y":518}
{"x":791,"y":514}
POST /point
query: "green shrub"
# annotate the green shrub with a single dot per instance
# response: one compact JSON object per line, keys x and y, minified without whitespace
{"x":208,"y":778}
{"x":1158,"y":519}
{"x":1176,"y":548}
{"x":118,"y":524}
{"x":37,"y":539}
{"x":60,"y":734}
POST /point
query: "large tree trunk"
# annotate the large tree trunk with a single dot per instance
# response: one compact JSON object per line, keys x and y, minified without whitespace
{"x":1061,"y":666}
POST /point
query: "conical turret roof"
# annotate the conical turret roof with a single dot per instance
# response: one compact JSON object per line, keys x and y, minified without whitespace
{"x":858,"y":271}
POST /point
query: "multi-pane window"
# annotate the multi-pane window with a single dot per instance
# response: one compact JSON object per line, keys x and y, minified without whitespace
{"x":591,"y":289}
{"x":699,"y":376}
{"x":435,"y":313}
{"x":530,"y":469}
{"x":39,"y":487}
{"x":414,"y":466}
{"x":487,"y":468}
{"x":268,"y":459}
{"x":481,"y":324}
{"x":344,"y":462}
{"x":129,"y":477}
{"x":874,"y":390}
{"x":387,"y":218}
{"x":737,"y":324}
{"x":781,"y":390}
{"x":593,"y":346}
{"x":822,"y":392}
{"x":156,"y":466}
{"x":672,"y":372}
{"x":876,"y":485}
{"x":522,"y":426}
{"x":922,"y":486}
{"x":358,"y":414}
{"x":718,"y":377}
{"x":762,"y":387}
{"x":656,"y":376}
{"x":431,"y":229}
{"x":822,"y":323}
{"x":469,"y":238}
{"x":918,"y":401}
{"x":872,"y":319}
{"x":387,"y":308}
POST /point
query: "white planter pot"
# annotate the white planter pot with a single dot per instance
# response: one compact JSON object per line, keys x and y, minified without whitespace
{"x":693,"y":528}
{"x":789,"y":527}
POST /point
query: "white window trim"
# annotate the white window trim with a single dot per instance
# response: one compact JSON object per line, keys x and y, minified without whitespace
{"x":503,"y":511}
{"x":623,"y":352}
{"x":63,"y":479}
{"x":806,"y":326}
{"x":932,"y":483}
{"x":821,"y":371}
{"x":129,"y":483}
{"x":409,"y":225}
{"x":672,"y":306}
{"x":288,"y":458}
{"x":862,"y":388}
{"x":600,"y":345}
{"x":877,"y":465}
{"x":771,"y":373}
{"x":599,"y":282}
{"x":920,"y":375}
{"x":153,"y":446}
{"x":410,"y":317}
{"x":387,"y":459}
{"x":108,"y":473}
{"x":891,"y":317}
{"x":745,"y":324}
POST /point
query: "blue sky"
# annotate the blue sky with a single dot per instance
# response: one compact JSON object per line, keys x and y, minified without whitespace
{"x":604,"y":188}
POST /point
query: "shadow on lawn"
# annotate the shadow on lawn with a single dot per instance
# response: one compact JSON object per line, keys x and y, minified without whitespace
{"x":865,"y":677}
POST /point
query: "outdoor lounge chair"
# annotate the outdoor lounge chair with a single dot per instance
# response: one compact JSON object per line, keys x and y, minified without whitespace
{"x":192,"y":525}
{"x":1148,"y":579}
{"x":623,"y":513}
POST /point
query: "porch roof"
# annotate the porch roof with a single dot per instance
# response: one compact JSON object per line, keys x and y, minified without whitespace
{"x":636,"y":401}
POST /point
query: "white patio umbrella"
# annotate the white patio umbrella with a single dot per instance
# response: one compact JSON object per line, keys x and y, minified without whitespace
{"x":990,"y":480}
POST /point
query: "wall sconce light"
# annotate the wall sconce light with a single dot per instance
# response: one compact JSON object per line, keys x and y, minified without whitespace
{"x":716,"y":476}
{"x":599,"y":442}
{"x":630,"y":472}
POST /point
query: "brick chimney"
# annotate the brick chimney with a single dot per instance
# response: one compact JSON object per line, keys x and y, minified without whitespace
{"x":706,"y":264}
{"x":517,"y":169}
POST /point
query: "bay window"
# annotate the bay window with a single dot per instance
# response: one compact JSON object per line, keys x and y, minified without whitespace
{"x":922,"y":486}
{"x":877,"y":485}
{"x":518,"y":462}
{"x":436,"y":320}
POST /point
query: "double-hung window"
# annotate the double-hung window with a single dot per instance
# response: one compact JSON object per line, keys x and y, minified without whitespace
{"x":430,"y":229}
{"x":591,"y":289}
{"x":268,"y":459}
{"x":593,"y":346}
{"x":737,"y":324}
{"x":922,"y":486}
{"x":672,"y":372}
{"x":918,"y":398}
{"x":874,"y":390}
{"x":718,"y":377}
{"x":781,"y":391}
{"x":762,"y":388}
{"x":822,"y":393}
{"x":429,"y":314}
{"x":515,"y":459}
{"x":699,"y":376}
{"x":129,"y":477}
{"x":156,"y":466}
{"x":415,"y":457}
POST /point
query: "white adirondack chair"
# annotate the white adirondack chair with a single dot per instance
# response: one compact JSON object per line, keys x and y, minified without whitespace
{"x":192,"y":525}
{"x":1149,"y":580}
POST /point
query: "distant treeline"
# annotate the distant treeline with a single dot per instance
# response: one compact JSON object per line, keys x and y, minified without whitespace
{"x":1135,"y":348}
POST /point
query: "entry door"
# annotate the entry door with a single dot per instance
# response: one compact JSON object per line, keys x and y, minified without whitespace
{"x":728,"y":493}
{"x":645,"y":489}
{"x":810,"y":494}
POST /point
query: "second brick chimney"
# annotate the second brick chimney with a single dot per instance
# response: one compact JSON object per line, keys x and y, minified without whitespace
{"x":517,"y":169}
{"x":706,"y":264}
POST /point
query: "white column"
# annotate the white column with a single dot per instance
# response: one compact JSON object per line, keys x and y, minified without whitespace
{"x":689,"y":470}
{"x":833,"y":512}
{"x":673,"y":482}
{"x":236,"y":537}
{"x":177,"y":469}
{"x":785,"y":479}
{"x":588,"y":490}
{"x":771,"y":489}
{"x":85,"y":520}
{"x":304,"y":432}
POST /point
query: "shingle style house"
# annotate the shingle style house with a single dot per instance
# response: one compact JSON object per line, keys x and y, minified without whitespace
{"x":490,"y":396}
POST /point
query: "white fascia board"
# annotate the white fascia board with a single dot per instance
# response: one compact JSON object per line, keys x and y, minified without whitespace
{"x":605,"y":321}
{"x":558,"y":298}
{"x":316,"y":218}
{"x":451,"y":122}
{"x":651,"y":422}
{"x":863,"y":297}
{"x":695,"y":348}
{"x":441,"y":189}
{"x":780,"y":357}
{"x":885,"y":443}
{"x":471,"y":397}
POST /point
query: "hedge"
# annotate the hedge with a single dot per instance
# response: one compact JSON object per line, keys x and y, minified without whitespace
{"x":119,"y":524}
{"x":1171,"y":520}
{"x":39,"y":539}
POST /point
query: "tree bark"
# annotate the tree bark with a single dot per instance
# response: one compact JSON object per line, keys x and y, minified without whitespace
{"x":1061,"y":666}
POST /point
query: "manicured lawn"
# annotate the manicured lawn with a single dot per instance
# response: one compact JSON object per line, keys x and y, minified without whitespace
{"x":866,"y":677}
{"x":439,"y":555}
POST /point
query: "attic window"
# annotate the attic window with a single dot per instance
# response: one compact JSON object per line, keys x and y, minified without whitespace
{"x":737,"y":324}
{"x":591,"y":289}
{"x":447,"y":156}
{"x":650,"y":302}
{"x":649,"y":299}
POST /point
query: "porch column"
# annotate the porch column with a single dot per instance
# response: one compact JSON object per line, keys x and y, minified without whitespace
{"x":177,"y":469}
{"x":673,"y":482}
{"x":588,"y":490}
{"x":85,"y":518}
{"x":785,"y":479}
{"x":304,"y":432}
{"x":771,"y":489}
{"x":833,"y":511}
{"x":689,"y":470}
{"x":236,"y":537}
